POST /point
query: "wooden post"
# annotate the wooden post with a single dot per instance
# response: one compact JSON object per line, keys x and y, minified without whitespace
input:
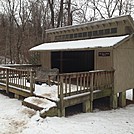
{"x":7,"y":81}
{"x":31,"y":83}
{"x":91,"y":91}
{"x":58,"y":79}
{"x":69,"y":84}
{"x":49,"y":80}
{"x":62,"y":109}
{"x":113,"y":97}
{"x":113,"y":101}
{"x":87,"y":106}
{"x":122,"y":99}
{"x":16,"y":96}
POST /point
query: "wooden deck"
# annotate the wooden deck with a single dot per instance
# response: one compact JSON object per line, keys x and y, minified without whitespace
{"x":73,"y":88}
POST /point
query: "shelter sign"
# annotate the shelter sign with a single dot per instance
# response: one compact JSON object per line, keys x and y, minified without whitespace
{"x":103,"y":54}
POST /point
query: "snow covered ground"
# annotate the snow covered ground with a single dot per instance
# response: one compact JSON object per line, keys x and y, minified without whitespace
{"x":17,"y":119}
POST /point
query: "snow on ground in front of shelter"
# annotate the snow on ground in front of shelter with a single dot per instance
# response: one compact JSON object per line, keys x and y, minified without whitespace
{"x":17,"y":119}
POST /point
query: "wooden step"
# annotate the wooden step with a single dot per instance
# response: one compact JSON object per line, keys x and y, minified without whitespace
{"x":46,"y":107}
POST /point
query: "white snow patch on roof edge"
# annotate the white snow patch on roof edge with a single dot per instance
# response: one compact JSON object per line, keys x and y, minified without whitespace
{"x":79,"y":44}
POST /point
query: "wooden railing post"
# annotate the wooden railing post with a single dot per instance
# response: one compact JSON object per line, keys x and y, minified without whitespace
{"x":7,"y":80}
{"x":91,"y":91}
{"x":58,"y":79}
{"x":62,"y":109}
{"x":49,"y":80}
{"x":31,"y":82}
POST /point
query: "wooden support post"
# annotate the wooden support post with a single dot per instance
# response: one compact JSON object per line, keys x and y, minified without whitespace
{"x":7,"y":81}
{"x":114,"y":101}
{"x":113,"y":97}
{"x":62,"y":108}
{"x":31,"y":83}
{"x":91,"y":91}
{"x":16,"y":96}
{"x":122,"y":99}
{"x":86,"y":106}
{"x":49,"y":80}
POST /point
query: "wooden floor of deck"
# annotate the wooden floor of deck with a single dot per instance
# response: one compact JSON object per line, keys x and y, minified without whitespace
{"x":15,"y":90}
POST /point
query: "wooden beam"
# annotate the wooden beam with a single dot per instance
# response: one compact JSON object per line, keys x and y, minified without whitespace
{"x":62,"y":108}
{"x":31,"y":82}
{"x":103,"y":25}
{"x":116,"y":22}
{"x":92,"y":27}
{"x":91,"y":91}
{"x":16,"y":96}
{"x":124,"y":21}
{"x":122,"y":99}
{"x":86,"y":106}
{"x":114,"y":101}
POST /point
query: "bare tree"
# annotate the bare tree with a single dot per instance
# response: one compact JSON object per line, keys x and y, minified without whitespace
{"x":109,"y":8}
{"x":19,"y":13}
{"x":23,"y":22}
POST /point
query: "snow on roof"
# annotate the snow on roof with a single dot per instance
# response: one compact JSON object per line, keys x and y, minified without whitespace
{"x":79,"y":44}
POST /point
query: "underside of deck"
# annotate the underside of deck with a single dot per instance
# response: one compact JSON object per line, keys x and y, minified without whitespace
{"x":77,"y":99}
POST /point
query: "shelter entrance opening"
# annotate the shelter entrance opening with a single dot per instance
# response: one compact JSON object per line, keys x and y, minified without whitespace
{"x":73,"y":61}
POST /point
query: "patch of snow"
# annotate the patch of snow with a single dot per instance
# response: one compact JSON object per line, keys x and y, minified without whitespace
{"x":17,"y":119}
{"x":47,"y":91}
{"x":43,"y":103}
{"x":129,"y":94}
{"x":118,"y":121}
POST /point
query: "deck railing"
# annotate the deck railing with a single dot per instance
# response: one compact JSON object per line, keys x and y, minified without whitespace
{"x":22,"y":66}
{"x":17,"y":78}
{"x":77,"y":83}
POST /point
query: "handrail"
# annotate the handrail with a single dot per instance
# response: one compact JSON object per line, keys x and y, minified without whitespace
{"x":17,"y":78}
{"x":21,"y":66}
{"x":80,"y":82}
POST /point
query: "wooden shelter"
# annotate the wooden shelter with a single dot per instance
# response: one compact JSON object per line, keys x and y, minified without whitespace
{"x":111,"y":47}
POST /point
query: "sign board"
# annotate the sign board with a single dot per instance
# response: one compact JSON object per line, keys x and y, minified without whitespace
{"x":103,"y":54}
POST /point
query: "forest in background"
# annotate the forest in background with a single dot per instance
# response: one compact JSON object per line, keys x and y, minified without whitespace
{"x":23,"y":22}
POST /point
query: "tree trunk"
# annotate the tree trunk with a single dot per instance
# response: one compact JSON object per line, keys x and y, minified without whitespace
{"x":52,"y":11}
{"x":69,"y":13}
{"x":60,"y":17}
